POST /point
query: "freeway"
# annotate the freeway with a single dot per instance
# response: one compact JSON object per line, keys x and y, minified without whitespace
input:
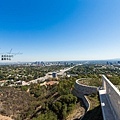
{"x":42,"y":79}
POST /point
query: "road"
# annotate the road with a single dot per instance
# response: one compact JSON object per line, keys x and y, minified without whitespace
{"x":42,"y":79}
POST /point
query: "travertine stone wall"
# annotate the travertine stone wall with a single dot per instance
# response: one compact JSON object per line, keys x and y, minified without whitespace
{"x":81,"y":90}
{"x":84,"y":89}
{"x":81,"y":96}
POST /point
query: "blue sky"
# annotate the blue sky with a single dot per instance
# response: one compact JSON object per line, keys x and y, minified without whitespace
{"x":48,"y":30}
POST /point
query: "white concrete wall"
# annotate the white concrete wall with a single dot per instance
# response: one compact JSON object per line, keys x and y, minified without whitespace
{"x":113,"y":95}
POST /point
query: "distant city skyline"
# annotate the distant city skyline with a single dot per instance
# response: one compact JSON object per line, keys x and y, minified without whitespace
{"x":56,"y":30}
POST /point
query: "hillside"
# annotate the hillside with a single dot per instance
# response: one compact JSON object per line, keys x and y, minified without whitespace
{"x":13,"y":102}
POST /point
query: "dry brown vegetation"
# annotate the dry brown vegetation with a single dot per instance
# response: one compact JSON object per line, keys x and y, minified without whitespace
{"x":13,"y":102}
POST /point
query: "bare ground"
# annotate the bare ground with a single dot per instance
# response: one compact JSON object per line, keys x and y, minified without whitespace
{"x":76,"y":113}
{"x":4,"y":118}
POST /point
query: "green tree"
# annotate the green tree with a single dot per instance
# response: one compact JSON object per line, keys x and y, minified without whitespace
{"x":49,"y":115}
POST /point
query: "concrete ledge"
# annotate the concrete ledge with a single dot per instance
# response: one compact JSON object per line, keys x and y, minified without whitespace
{"x":112,"y":96}
{"x":107,"y":111}
{"x":113,"y":86}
